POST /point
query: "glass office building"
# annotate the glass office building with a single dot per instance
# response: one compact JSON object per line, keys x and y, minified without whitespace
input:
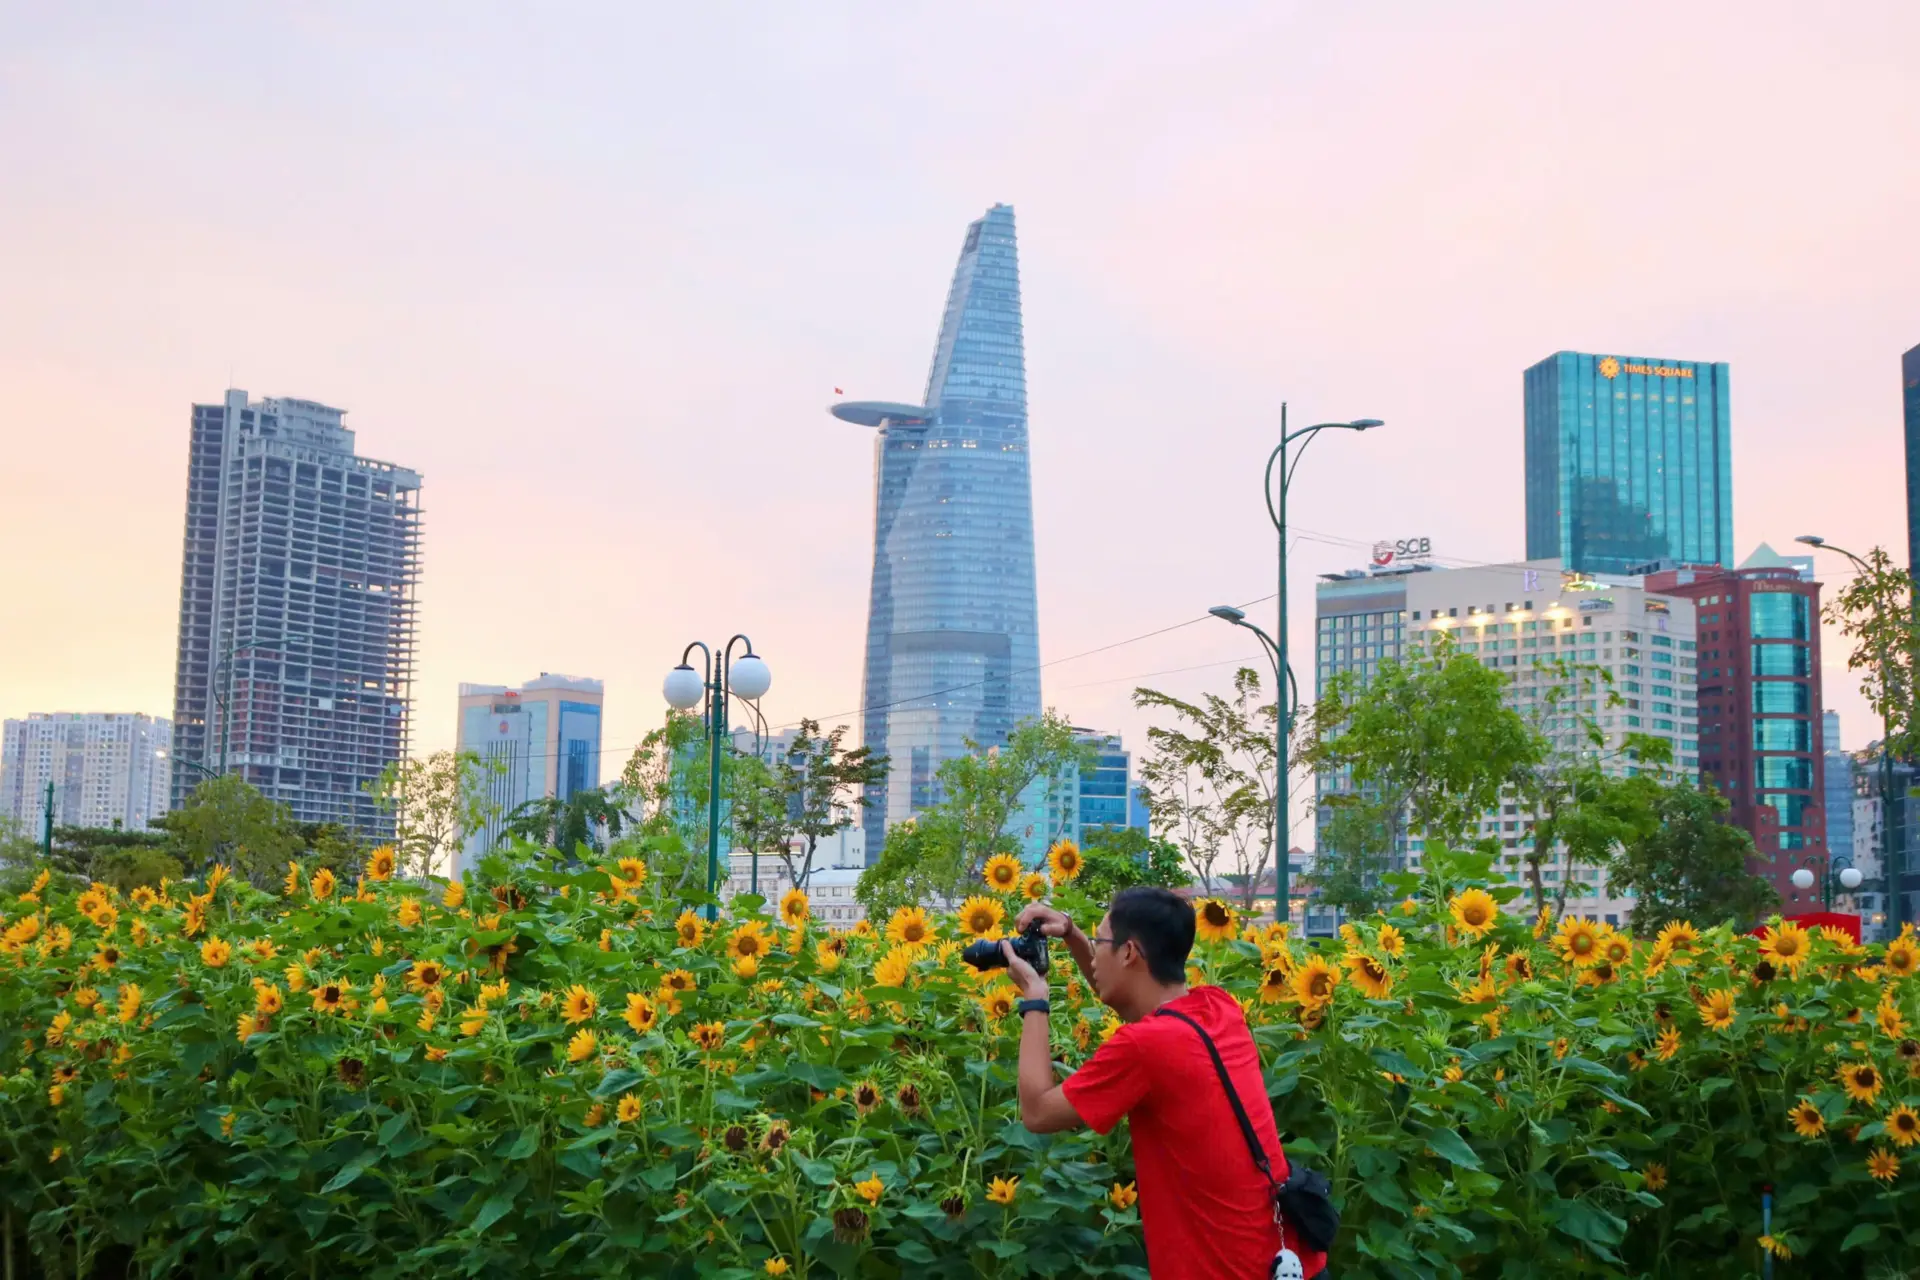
{"x":953,"y":634}
{"x":1629,"y":461}
{"x":1910,"y":404}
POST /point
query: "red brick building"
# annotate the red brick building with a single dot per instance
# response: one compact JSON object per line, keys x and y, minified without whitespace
{"x":1760,"y":708}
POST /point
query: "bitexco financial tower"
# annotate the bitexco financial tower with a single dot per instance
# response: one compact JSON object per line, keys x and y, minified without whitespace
{"x":953,"y":630}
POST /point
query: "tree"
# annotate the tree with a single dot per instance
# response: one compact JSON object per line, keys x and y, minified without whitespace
{"x":123,"y":859}
{"x":228,"y":822}
{"x":436,"y":803}
{"x":1433,"y":734}
{"x":1355,"y":851}
{"x":1875,"y":610}
{"x":1209,"y":779}
{"x":809,"y":793}
{"x":1690,"y":864}
{"x":983,"y":793}
{"x":1116,"y":858}
{"x":568,"y":825}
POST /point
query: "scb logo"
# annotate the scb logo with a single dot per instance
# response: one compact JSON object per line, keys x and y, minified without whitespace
{"x":1385,"y":553}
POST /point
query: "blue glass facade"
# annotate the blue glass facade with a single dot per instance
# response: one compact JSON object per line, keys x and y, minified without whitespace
{"x":1629,"y":461}
{"x":953,"y":641}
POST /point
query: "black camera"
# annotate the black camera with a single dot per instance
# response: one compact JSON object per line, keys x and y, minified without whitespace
{"x":1030,"y":946}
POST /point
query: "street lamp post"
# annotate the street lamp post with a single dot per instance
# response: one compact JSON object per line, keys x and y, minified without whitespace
{"x":1847,"y":877}
{"x":722,"y":675}
{"x":1892,"y":819}
{"x":1286,"y":693}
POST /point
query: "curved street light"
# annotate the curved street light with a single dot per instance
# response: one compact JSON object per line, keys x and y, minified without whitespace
{"x":719,"y":677}
{"x":1286,"y":696}
{"x":1891,"y":824}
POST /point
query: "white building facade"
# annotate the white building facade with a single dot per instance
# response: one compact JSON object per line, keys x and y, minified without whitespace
{"x":540,"y":739}
{"x":107,"y":770}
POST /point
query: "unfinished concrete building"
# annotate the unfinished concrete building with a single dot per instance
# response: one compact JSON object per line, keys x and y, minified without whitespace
{"x":297,"y":594}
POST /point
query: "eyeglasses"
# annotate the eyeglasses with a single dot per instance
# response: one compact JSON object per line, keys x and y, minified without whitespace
{"x":1096,"y":940}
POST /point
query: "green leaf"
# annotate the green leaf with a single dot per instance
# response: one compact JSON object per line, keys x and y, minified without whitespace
{"x":1863,"y":1233}
{"x":347,"y":1176}
{"x":492,"y":1211}
{"x":522,"y":1146}
{"x":1451,"y":1146}
{"x":616,"y":1082}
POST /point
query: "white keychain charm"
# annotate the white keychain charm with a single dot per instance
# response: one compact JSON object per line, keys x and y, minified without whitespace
{"x":1286,"y":1266}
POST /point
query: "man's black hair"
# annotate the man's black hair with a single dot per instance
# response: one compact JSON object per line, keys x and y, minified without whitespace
{"x":1161,"y":922}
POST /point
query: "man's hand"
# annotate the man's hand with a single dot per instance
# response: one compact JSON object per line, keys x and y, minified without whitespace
{"x":1054,"y":923}
{"x":1030,"y":984}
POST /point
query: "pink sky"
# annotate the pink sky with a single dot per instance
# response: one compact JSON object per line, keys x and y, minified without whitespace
{"x":596,"y":273}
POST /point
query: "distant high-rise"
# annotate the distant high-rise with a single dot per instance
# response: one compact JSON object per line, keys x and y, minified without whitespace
{"x":296,"y":610}
{"x":1629,"y":461}
{"x":1910,"y":404}
{"x":542,"y":739}
{"x":106,"y":770}
{"x":953,"y":632}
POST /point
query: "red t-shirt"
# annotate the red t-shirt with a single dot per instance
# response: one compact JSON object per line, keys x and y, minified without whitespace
{"x":1204,"y":1205}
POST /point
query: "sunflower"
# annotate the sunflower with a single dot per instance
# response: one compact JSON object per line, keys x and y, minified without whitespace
{"x":907,"y":1098}
{"x":641,"y":1013}
{"x":1314,"y":981}
{"x":1034,"y":887}
{"x":1807,"y":1120}
{"x":1124,"y":1195}
{"x":908,"y":925}
{"x":710,"y":1035}
{"x":1656,"y":1176}
{"x":793,"y":907}
{"x":1903,"y":1126}
{"x":380,"y":863}
{"x":628,"y":874}
{"x":750,"y":939}
{"x":1667,"y":1044}
{"x":690,"y":928}
{"x":1617,"y":950}
{"x":331,"y":997}
{"x":1902,"y":957}
{"x":1213,"y":920}
{"x":1474,"y":911}
{"x":1776,"y":1246}
{"x":322,"y":885}
{"x":424,"y":975}
{"x":1717,"y":1010}
{"x":267,"y":998}
{"x":778,"y":1134}
{"x":1787,"y":947}
{"x":248,"y":1026}
{"x":1392,"y":941}
{"x":1064,"y":861}
{"x":580,"y":1004}
{"x":1883,"y":1165}
{"x":746,"y":967}
{"x":91,"y":902}
{"x":1276,"y":986}
{"x":1002,"y":1190}
{"x":1679,"y":935}
{"x":143,"y":898}
{"x":980,"y":917}
{"x":1861,"y":1080}
{"x":1577,"y":941}
{"x":677,"y":980}
{"x":215,"y":953}
{"x":292,"y":885}
{"x":893,"y":968}
{"x":870,"y":1190}
{"x":829,"y":952}
{"x":582,"y":1046}
{"x":777,"y":1266}
{"x":998,"y":1001}
{"x":1519,"y":967}
{"x":866,"y":1096}
{"x":1369,"y":975}
{"x":1001,"y":873}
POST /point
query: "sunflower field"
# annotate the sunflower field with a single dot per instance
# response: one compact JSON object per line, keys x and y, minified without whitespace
{"x":552,"y":1069}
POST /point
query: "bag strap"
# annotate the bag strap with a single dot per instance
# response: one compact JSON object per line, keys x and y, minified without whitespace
{"x":1239,"y":1112}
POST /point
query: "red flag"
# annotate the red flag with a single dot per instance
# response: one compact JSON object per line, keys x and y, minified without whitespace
{"x":837,"y":391}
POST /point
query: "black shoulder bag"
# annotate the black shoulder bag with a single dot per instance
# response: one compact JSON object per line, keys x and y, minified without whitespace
{"x":1306,"y":1198}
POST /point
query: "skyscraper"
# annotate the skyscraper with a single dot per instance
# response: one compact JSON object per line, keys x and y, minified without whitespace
{"x":953,"y":632}
{"x":296,"y":610}
{"x":1629,"y":461}
{"x":106,"y":770}
{"x":1910,"y":404}
{"x":542,"y":739}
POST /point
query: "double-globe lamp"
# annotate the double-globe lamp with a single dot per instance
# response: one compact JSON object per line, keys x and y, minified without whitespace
{"x":746,"y":676}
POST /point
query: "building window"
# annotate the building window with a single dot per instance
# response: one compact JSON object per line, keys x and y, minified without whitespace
{"x":1778,"y":615}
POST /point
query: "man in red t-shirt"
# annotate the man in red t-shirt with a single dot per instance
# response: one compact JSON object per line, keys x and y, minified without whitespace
{"x":1204,"y":1205}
